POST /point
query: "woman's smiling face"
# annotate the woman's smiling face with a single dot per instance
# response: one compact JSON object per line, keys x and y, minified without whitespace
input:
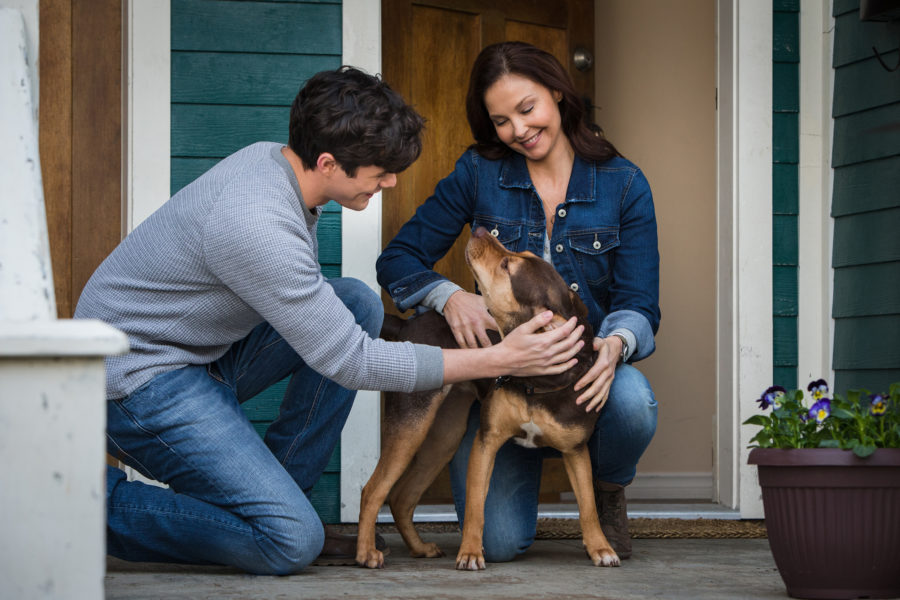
{"x":525,"y":115}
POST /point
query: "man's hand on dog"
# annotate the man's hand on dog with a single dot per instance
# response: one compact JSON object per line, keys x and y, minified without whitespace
{"x":528,"y":353}
{"x":469,"y":319}
{"x":600,"y":377}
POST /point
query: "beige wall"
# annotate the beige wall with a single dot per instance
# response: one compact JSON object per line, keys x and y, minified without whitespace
{"x":656,"y":93}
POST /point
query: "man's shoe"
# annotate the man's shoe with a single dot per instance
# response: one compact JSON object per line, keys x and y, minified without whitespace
{"x":613,"y":513}
{"x":340,"y":550}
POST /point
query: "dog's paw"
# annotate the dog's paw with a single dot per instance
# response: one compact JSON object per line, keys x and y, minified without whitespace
{"x":469,"y":561}
{"x":427,"y":550}
{"x":604,"y":557}
{"x":372,"y":559}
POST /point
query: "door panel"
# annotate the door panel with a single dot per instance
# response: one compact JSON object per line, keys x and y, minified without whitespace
{"x":428,"y":49}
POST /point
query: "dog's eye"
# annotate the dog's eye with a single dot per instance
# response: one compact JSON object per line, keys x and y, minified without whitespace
{"x":504,"y":263}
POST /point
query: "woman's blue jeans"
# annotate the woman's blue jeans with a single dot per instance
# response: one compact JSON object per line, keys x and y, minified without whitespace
{"x":624,"y":429}
{"x":233,"y":499}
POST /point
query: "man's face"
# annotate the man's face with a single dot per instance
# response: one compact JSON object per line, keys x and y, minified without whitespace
{"x":355,"y":192}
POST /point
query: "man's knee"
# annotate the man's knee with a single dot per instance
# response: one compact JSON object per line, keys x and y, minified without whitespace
{"x":364,"y":303}
{"x":289,"y":546}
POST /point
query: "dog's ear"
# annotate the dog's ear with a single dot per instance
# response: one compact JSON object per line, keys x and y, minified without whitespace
{"x":579,"y":309}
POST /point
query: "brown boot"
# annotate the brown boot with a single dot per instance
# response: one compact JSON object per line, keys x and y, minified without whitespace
{"x":340,"y":550}
{"x":613,"y":514}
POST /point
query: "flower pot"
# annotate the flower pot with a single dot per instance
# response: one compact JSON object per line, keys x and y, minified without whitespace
{"x":833,"y":520}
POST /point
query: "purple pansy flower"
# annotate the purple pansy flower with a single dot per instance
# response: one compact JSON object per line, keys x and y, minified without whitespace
{"x":817,"y":388}
{"x":878,"y":404}
{"x":771,"y":397}
{"x":820,"y":410}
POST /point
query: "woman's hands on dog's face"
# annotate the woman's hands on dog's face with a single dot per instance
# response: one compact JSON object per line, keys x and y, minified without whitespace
{"x":469,"y":319}
{"x":529,"y":353}
{"x":600,"y":376}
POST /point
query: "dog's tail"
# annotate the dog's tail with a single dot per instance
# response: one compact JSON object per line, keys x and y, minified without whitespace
{"x":390,"y":329}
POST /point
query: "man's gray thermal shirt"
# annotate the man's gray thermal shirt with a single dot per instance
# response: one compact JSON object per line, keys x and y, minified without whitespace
{"x":233,"y":249}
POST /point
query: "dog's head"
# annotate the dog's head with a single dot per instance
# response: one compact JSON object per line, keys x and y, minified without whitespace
{"x":518,"y":285}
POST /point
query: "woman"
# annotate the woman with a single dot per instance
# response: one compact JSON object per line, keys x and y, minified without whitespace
{"x":539,"y":178}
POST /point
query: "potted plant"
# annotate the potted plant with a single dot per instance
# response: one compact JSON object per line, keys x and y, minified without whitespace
{"x":829,"y":469}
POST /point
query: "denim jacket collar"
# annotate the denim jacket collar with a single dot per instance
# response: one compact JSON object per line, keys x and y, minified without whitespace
{"x":514,"y":174}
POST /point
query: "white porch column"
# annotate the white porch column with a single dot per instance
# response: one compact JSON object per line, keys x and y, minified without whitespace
{"x":52,"y":378}
{"x":361,"y":245}
{"x":745,"y":241}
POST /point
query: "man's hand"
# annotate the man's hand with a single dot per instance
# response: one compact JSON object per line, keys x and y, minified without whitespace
{"x":600,"y":376}
{"x":469,"y":319}
{"x":527,"y":353}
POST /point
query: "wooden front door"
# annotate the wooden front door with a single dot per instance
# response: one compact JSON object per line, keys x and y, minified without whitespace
{"x":428,"y":49}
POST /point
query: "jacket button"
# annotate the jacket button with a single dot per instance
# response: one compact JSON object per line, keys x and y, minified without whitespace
{"x":597,"y":245}
{"x":559,"y":247}
{"x":495,"y":232}
{"x":561,"y":213}
{"x":574,"y":287}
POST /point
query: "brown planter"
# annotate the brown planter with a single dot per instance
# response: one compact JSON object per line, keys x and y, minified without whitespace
{"x":833,"y":520}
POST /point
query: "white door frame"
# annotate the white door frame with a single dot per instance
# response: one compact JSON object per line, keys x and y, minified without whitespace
{"x":744,"y":232}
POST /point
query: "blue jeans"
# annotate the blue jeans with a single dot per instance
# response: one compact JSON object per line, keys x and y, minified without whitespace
{"x":233,"y":499}
{"x":626,"y":425}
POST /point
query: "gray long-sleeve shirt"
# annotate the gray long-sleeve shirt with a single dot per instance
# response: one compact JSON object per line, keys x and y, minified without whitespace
{"x":233,"y":249}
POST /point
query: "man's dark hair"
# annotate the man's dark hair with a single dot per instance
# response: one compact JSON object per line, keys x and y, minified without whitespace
{"x":357,"y":118}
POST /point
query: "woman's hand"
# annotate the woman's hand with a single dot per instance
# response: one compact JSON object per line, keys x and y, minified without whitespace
{"x":600,"y":376}
{"x":469,"y":319}
{"x":527,"y":353}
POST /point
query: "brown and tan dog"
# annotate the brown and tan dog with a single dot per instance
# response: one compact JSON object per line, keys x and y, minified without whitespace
{"x":421,"y":431}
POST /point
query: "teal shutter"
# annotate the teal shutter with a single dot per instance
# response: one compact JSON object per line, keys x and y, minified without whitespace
{"x":236,"y":68}
{"x":866,"y":202}
{"x":785,"y":193}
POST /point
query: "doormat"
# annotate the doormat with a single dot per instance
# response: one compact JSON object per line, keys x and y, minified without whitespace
{"x":640,"y":528}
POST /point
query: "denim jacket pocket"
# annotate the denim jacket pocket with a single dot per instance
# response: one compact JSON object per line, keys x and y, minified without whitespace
{"x":591,"y":251}
{"x":507,"y":233}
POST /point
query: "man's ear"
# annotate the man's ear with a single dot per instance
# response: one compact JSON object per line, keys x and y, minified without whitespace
{"x":326,"y":163}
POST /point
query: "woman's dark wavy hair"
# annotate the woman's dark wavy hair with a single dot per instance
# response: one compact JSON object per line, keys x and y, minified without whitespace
{"x":526,"y":60}
{"x":356,"y":117}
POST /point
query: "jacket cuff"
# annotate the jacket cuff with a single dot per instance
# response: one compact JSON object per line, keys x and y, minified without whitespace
{"x":636,"y":324}
{"x":439,"y":295}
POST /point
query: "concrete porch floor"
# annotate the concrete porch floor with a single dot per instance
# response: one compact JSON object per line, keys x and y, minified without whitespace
{"x":551,"y":569}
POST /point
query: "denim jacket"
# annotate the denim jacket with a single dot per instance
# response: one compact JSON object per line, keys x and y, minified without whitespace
{"x":603,"y":242}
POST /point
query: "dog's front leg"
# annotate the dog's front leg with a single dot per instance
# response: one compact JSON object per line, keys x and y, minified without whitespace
{"x":481,"y":465}
{"x":578,"y":467}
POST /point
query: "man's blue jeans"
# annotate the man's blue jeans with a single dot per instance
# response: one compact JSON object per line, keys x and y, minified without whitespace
{"x":624,"y":430}
{"x":233,"y":499}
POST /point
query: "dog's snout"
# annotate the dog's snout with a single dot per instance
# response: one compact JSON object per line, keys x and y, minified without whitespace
{"x":480,"y":232}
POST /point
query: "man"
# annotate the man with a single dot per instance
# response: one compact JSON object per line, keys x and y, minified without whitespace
{"x":221,"y":295}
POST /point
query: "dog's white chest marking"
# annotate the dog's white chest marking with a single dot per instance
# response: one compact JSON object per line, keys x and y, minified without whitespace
{"x":531,"y":432}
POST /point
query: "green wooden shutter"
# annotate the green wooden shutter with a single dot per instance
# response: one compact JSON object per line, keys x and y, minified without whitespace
{"x":785,"y":193}
{"x":236,"y":68}
{"x":865,"y":202}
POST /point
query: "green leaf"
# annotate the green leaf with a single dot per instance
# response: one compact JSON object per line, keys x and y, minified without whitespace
{"x":863,"y":450}
{"x":829,"y":444}
{"x":760,"y":420}
{"x":841,"y":413}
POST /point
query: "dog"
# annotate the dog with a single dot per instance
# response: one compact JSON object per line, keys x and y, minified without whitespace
{"x":422,"y":430}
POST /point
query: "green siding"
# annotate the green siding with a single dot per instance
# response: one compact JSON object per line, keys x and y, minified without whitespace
{"x":236,"y":68}
{"x":865,"y":203}
{"x":785,"y":193}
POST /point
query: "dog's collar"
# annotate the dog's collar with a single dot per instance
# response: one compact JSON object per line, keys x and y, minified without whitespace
{"x":507,"y":381}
